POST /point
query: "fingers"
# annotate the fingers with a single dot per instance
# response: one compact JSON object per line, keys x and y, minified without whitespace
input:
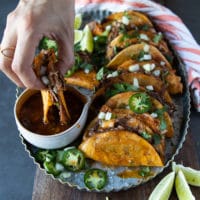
{"x":65,"y":53}
{"x":7,"y":50}
{"x":23,"y":59}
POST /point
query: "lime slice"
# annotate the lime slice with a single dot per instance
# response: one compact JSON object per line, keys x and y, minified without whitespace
{"x":78,"y":34}
{"x":77,"y":21}
{"x":87,"y":40}
{"x":192,"y":176}
{"x":163,"y":190}
{"x":182,"y":188}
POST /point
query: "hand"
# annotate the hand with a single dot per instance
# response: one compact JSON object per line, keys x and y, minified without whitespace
{"x":26,"y":26}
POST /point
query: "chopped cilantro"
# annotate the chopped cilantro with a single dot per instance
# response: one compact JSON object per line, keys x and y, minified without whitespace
{"x":144,"y":171}
{"x":47,"y":43}
{"x":169,"y":57}
{"x":157,"y":38}
{"x":160,"y":113}
{"x":101,"y":73}
{"x":118,"y":88}
{"x":156,"y":139}
{"x":146,"y":135}
{"x":141,"y":55}
{"x":144,"y":27}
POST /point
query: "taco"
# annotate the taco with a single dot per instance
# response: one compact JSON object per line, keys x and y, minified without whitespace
{"x":126,"y":39}
{"x":144,"y":105}
{"x":129,"y":18}
{"x":122,"y":148}
{"x":148,"y":58}
{"x":82,"y":79}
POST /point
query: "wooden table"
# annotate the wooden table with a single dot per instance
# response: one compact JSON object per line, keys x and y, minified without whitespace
{"x":45,"y":188}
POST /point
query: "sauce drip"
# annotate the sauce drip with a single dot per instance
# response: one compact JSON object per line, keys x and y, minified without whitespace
{"x":31,"y":113}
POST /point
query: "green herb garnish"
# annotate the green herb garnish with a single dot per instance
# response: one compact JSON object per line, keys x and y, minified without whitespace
{"x":146,"y":135}
{"x":118,"y":88}
{"x":101,"y":73}
{"x":144,"y":171}
{"x":156,"y":139}
{"x":47,"y":43}
{"x":157,"y":38}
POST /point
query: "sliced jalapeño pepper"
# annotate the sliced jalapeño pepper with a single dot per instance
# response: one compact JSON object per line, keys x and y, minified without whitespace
{"x":140,"y":102}
{"x":95,"y":179}
{"x":50,"y":167}
{"x":73,"y":159}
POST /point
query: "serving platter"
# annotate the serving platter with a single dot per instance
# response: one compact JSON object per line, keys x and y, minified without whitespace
{"x":115,"y":183}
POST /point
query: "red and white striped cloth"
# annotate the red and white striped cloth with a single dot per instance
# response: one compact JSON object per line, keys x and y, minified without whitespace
{"x":173,"y":27}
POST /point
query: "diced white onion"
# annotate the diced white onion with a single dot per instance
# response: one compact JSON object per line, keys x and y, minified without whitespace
{"x":87,"y":71}
{"x":59,"y":167}
{"x":149,"y":87}
{"x":108,"y":28}
{"x":153,"y":66}
{"x":144,"y":37}
{"x":101,"y":115}
{"x":147,"y":67}
{"x":146,"y":48}
{"x":113,"y":74}
{"x":146,"y":57}
{"x":135,"y":83}
{"x":128,"y":107}
{"x":156,"y":72}
{"x":125,"y":20}
{"x":134,"y":68}
{"x":108,"y":116}
{"x":162,"y":63}
{"x":45,"y":80}
{"x":154,"y":115}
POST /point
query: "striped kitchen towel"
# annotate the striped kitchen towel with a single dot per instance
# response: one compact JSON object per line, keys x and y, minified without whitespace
{"x":176,"y":32}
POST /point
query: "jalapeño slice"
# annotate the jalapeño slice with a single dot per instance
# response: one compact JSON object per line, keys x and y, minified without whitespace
{"x":73,"y":159}
{"x":51,"y":168}
{"x":95,"y":179}
{"x":140,"y":102}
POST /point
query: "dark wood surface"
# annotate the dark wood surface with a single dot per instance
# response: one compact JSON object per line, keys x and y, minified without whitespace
{"x":45,"y":188}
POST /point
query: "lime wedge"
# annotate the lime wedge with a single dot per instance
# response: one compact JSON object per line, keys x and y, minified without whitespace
{"x":87,"y":40}
{"x":78,"y":34}
{"x":192,"y":176}
{"x":182,"y":188}
{"x":77,"y":21}
{"x":163,"y":190}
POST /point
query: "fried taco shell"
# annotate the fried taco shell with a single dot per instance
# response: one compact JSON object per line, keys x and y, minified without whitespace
{"x":134,"y":37}
{"x":122,"y":148}
{"x":134,"y":51}
{"x":82,"y":79}
{"x":133,"y":18}
{"x":121,"y":101}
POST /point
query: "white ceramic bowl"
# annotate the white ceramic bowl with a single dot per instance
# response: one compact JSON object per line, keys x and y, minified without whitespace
{"x":49,"y":141}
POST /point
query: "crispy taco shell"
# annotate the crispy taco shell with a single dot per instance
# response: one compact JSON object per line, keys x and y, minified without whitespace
{"x":133,"y":51}
{"x":82,"y":79}
{"x":121,"y":101}
{"x":133,"y":37}
{"x":122,"y":148}
{"x":135,"y":18}
{"x":174,"y":85}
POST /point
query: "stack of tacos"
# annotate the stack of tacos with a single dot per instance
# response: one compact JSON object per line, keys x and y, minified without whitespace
{"x":135,"y":83}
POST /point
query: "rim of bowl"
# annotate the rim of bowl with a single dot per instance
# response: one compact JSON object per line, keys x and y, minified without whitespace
{"x":88,"y":101}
